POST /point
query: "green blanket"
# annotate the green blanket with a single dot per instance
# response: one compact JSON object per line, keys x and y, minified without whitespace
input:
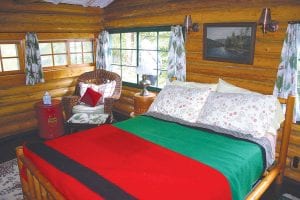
{"x":240,"y":161}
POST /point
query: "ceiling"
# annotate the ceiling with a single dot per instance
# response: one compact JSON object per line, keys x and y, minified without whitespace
{"x":85,"y":3}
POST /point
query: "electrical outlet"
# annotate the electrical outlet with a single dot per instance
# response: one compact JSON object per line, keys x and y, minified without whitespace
{"x":295,"y":162}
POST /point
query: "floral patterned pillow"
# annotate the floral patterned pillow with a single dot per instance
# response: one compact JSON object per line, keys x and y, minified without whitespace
{"x":210,"y":86}
{"x":180,"y":102}
{"x":244,"y":113}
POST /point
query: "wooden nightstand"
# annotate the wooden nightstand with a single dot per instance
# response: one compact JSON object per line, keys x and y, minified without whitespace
{"x":142,"y":103}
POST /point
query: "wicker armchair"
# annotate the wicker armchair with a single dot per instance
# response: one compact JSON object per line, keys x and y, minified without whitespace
{"x":98,"y":77}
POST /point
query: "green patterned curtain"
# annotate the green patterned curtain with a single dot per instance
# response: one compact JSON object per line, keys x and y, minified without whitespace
{"x":286,"y":83}
{"x":102,"y":52}
{"x":177,"y":60}
{"x":33,"y":67}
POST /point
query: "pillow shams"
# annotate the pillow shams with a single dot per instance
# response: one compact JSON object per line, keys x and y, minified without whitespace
{"x":210,"y":86}
{"x":245,"y":113}
{"x":225,"y":87}
{"x":180,"y":102}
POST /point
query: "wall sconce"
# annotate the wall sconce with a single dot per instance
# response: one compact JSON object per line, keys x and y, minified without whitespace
{"x":267,"y":23}
{"x":189,"y":26}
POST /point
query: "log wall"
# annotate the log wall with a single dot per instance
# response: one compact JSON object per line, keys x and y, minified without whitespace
{"x":49,"y":21}
{"x":48,"y":17}
{"x":260,"y":76}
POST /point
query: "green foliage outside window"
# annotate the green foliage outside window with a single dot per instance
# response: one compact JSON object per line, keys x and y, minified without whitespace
{"x":134,"y":50}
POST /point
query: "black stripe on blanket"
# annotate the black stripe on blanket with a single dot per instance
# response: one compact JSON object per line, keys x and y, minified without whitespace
{"x":89,"y":178}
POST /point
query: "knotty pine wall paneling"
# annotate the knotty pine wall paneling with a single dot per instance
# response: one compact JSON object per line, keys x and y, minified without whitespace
{"x":49,"y":21}
{"x":260,"y":76}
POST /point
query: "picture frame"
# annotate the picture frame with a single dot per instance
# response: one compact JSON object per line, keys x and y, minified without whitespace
{"x":229,"y":42}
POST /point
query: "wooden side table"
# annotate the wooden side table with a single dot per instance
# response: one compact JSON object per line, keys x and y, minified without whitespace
{"x":142,"y":103}
{"x":50,"y":119}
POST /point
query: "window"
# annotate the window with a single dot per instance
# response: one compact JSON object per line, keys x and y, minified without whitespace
{"x":9,"y":57}
{"x":81,"y":52}
{"x":60,"y":53}
{"x":140,"y":51}
{"x":53,"y":53}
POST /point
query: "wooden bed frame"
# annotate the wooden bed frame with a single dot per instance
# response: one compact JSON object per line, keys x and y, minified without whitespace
{"x":38,"y":187}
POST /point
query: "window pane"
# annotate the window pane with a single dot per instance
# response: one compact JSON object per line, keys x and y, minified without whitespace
{"x":163,"y":41}
{"x":129,"y":57}
{"x":46,"y":61}
{"x":116,"y":69}
{"x":116,"y":57}
{"x":128,"y":40}
{"x":76,"y":58}
{"x":45,"y":48}
{"x":60,"y":60}
{"x":59,"y":47}
{"x":87,"y":58}
{"x":162,"y":79}
{"x":129,"y":74}
{"x":87,"y":46}
{"x":9,"y":50}
{"x":0,"y":67}
{"x":115,"y":40}
{"x":148,"y":40}
{"x":75,"y":47}
{"x":163,"y":57}
{"x":10,"y":64}
{"x":147,"y":63}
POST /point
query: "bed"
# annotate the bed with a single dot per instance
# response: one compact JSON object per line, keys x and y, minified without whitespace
{"x":153,"y":157}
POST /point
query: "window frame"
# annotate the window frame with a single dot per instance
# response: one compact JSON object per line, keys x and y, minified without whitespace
{"x":20,"y":55}
{"x":137,"y":30}
{"x":68,"y":52}
{"x":297,"y":102}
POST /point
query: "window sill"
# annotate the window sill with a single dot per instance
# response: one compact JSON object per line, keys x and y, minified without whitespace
{"x":133,"y":85}
{"x":17,"y":72}
{"x":64,"y":67}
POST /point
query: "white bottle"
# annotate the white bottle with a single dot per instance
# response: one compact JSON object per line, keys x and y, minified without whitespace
{"x":47,"y":99}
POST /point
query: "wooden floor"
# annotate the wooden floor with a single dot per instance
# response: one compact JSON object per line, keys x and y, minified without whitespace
{"x":8,"y":145}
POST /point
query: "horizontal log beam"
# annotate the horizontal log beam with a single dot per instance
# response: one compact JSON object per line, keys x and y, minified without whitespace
{"x":44,"y":7}
{"x":49,"y":27}
{"x":15,"y":128}
{"x":6,"y":17}
{"x":17,"y":118}
{"x":34,"y":97}
{"x":27,"y":89}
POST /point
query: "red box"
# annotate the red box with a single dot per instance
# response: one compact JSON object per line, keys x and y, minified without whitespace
{"x":50,"y":119}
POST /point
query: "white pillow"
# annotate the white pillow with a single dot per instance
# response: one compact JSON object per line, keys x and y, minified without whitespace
{"x":210,"y":86}
{"x":226,"y":87}
{"x":106,"y":89}
{"x":252,"y":114}
{"x":180,"y":102}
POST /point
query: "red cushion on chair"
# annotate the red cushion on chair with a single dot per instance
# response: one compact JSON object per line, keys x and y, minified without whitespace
{"x":91,"y":97}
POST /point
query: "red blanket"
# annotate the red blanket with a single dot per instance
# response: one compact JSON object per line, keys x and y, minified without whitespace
{"x":140,"y":168}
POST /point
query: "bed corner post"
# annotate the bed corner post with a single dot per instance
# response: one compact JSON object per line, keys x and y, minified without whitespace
{"x":19,"y":153}
{"x":286,"y":131}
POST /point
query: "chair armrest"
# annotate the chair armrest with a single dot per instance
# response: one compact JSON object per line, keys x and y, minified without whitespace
{"x":108,"y":104}
{"x":68,"y":102}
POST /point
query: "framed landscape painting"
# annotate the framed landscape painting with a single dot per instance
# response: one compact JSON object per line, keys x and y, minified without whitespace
{"x":229,"y":42}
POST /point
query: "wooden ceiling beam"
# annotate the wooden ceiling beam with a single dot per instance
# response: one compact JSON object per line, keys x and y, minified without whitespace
{"x":27,"y":1}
